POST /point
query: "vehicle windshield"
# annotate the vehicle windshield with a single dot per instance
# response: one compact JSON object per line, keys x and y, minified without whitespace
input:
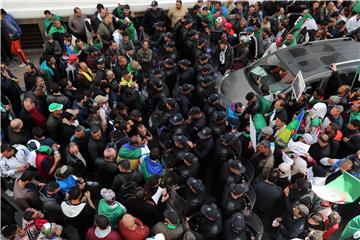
{"x":273,"y":72}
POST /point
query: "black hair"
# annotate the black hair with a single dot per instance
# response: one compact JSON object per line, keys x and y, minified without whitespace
{"x":95,"y":129}
{"x":355,"y":123}
{"x":99,"y":6}
{"x":47,"y":12}
{"x":303,"y":185}
{"x":74,"y":193}
{"x":52,"y":186}
{"x":273,"y":176}
{"x":80,"y":97}
{"x":55,"y":88}
{"x":155,"y":154}
{"x":9,"y":230}
{"x":6,"y":147}
{"x":125,"y":164}
{"x":76,"y":9}
{"x":101,"y":221}
{"x":38,"y":132}
{"x":265,"y":88}
{"x":249,"y":96}
{"x":28,"y":175}
{"x":28,"y":214}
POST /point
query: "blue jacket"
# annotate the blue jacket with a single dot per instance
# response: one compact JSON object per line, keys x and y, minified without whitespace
{"x":12,"y":26}
{"x":232,"y":116}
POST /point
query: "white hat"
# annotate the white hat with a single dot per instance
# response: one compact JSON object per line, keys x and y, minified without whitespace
{"x":284,"y":170}
{"x":307,"y":138}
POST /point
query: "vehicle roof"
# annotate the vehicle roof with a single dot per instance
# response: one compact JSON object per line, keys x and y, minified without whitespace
{"x":316,"y":57}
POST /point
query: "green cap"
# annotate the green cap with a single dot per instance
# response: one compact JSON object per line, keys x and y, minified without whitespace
{"x":55,"y":106}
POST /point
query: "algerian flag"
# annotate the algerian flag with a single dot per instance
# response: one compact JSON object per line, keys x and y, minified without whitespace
{"x":305,"y":21}
{"x":291,"y":129}
{"x":342,"y":190}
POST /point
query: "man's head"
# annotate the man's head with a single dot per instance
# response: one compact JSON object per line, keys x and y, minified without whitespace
{"x":101,"y":222}
{"x":136,"y":140}
{"x":27,"y":176}
{"x":57,"y":23}
{"x":16,"y":125}
{"x":178,"y":4}
{"x":77,"y":12}
{"x":323,"y":140}
{"x":336,"y":111}
{"x":96,"y":133}
{"x":353,"y":125}
{"x":263,"y":147}
{"x":28,"y":104}
{"x":7,"y":150}
{"x":300,"y":211}
{"x":109,"y":154}
{"x":55,"y":109}
{"x":52,"y":188}
{"x":273,"y":176}
{"x":74,"y":193}
{"x":30,"y":68}
{"x":40,"y":82}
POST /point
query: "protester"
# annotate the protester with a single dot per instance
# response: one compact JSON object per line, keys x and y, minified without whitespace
{"x":122,"y":132}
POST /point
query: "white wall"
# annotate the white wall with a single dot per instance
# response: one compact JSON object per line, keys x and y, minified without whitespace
{"x":34,"y":9}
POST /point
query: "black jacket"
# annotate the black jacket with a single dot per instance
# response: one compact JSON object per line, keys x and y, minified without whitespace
{"x":106,"y":171}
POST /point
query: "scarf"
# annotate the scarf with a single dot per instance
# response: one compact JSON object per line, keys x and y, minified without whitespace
{"x":113,"y":213}
{"x":222,"y":56}
{"x":88,"y":74}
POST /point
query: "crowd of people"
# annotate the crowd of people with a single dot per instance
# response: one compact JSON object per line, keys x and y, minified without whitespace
{"x":118,"y":132}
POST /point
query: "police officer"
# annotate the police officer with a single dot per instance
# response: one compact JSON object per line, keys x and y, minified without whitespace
{"x":203,"y":146}
{"x":157,"y":91}
{"x":235,"y":228}
{"x":189,"y":167}
{"x":181,"y":146}
{"x":194,"y":194}
{"x":153,"y":15}
{"x":212,"y":104}
{"x":187,"y":74}
{"x":204,"y":89}
{"x":170,"y":73}
{"x":195,"y":121}
{"x":183,"y":97}
{"x":233,"y":199}
{"x":206,"y":224}
{"x":218,"y":123}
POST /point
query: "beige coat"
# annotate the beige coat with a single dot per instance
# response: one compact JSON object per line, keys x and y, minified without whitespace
{"x":176,"y":14}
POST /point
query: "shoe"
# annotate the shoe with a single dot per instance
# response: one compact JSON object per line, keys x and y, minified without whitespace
{"x":22,"y":65}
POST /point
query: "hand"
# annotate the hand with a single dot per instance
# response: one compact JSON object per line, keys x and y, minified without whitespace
{"x":21,"y":168}
{"x":41,"y":184}
{"x":57,"y":157}
{"x":286,"y":191}
{"x":87,"y":195}
{"x":278,"y":219}
{"x":191,"y":145}
{"x":141,"y":28}
{"x":333,"y":67}
{"x":346,"y":139}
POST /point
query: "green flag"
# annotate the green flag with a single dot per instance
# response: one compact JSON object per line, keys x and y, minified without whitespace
{"x":344,"y":189}
{"x":356,"y":7}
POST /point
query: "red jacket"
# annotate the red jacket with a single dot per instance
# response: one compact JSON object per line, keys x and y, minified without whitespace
{"x":140,"y":233}
{"x":113,"y":235}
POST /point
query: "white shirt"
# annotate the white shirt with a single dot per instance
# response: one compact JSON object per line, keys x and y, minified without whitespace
{"x":352,"y":23}
{"x":8,"y":165}
{"x":273,"y":48}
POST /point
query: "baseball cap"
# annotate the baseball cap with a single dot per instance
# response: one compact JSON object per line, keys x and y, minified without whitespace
{"x":180,"y":138}
{"x":154,"y":3}
{"x":176,"y":119}
{"x":63,"y":172}
{"x":172,"y":216}
{"x":219,"y":116}
{"x":210,"y":211}
{"x":55,"y":106}
{"x":213,"y":97}
{"x":304,"y":210}
{"x":207,"y":79}
{"x":188,"y":156}
{"x":185,"y":62}
{"x":228,"y":137}
{"x":169,"y":61}
{"x":195,"y":184}
{"x":239,"y":188}
{"x":238,"y":222}
{"x":267,"y":130}
{"x":194,"y":110}
{"x":186,"y":87}
{"x":249,"y":29}
{"x":204,"y":133}
{"x":236,"y":164}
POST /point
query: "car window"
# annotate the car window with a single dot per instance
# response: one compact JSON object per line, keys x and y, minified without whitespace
{"x":271,"y":71}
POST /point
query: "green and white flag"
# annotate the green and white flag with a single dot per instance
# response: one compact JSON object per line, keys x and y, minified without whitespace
{"x":342,"y":190}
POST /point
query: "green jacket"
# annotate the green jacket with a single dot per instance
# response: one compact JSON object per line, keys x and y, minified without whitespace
{"x":209,"y":17}
{"x":53,"y":30}
{"x":48,"y":22}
